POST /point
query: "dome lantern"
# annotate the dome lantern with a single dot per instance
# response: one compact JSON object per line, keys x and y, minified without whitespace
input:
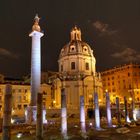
{"x":75,"y":34}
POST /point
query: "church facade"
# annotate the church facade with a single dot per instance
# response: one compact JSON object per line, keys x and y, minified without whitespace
{"x":77,"y":69}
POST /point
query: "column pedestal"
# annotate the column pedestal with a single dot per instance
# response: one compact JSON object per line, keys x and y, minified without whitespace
{"x":30,"y":115}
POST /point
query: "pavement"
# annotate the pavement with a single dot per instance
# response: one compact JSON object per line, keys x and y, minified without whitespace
{"x":53,"y":132}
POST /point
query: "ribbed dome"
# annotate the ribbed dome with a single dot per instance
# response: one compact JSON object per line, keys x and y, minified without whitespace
{"x":76,"y":45}
{"x":76,"y":56}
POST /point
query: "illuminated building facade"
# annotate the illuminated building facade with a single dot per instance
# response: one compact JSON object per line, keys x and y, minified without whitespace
{"x":122,"y":81}
{"x":77,"y":67}
{"x":21,"y":97}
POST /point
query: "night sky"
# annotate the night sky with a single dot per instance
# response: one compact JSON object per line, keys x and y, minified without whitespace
{"x":110,"y":27}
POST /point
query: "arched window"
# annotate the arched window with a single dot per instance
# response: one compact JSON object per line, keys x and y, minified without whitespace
{"x":73,"y":65}
{"x":87,"y":66}
{"x":61,"y":67}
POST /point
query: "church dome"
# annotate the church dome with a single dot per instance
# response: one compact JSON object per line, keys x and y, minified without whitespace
{"x":76,"y":56}
{"x":76,"y":45}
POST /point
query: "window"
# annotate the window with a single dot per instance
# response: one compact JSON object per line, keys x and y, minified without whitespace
{"x":124,"y":86}
{"x":0,"y":107}
{"x":19,"y":98}
{"x":87,"y":66}
{"x":24,"y":98}
{"x":19,"y":107}
{"x":25,"y":106}
{"x":26,"y":90}
{"x":85,"y":49}
{"x":61,"y":67}
{"x":113,"y":90}
{"x":72,"y":65}
{"x":72,"y":48}
{"x":128,"y":74}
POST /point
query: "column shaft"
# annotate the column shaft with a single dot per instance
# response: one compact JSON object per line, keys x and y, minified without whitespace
{"x":82,"y":114}
{"x":39,"y":125}
{"x":118,"y":110}
{"x":7,"y":113}
{"x":63,"y":114}
{"x":108,"y":110}
{"x":97,"y":113}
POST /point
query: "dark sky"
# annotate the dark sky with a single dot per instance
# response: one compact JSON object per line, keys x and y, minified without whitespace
{"x":110,"y":27}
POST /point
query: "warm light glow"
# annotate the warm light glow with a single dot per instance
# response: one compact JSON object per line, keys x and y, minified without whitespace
{"x":130,"y":99}
{"x":12,"y":121}
{"x":90,"y":96}
{"x":90,"y":124}
{"x":13,"y":111}
{"x":106,"y":90}
{"x":19,"y":135}
{"x":100,"y":100}
{"x":54,"y":101}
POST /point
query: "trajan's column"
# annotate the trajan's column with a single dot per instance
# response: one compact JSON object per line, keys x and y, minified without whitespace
{"x":36,"y":35}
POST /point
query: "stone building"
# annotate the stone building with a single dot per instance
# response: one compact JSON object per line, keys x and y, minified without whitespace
{"x":123,"y":81}
{"x":77,"y":67}
{"x":21,"y":97}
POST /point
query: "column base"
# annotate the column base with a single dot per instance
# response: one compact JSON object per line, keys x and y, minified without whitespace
{"x":30,"y":115}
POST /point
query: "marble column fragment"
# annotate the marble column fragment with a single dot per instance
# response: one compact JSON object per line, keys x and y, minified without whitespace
{"x":97,"y":113}
{"x":82,"y":115}
{"x":126,"y":110}
{"x":39,"y":125}
{"x":118,"y":110}
{"x":6,"y":134}
{"x":108,"y":110}
{"x":63,"y":114}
